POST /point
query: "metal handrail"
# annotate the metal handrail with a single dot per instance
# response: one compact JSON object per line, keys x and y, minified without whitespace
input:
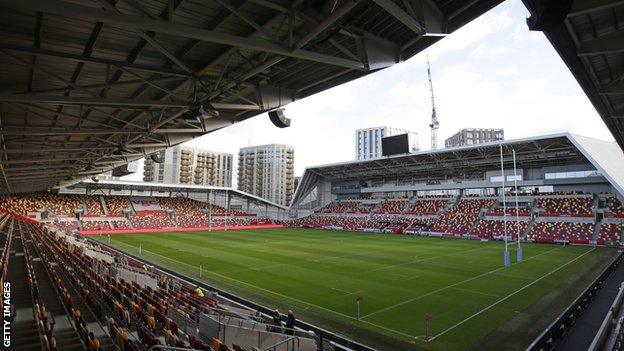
{"x":173,"y":348}
{"x":286,"y":341}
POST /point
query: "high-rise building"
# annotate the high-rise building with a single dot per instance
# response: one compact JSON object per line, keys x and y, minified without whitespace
{"x":267,"y":171}
{"x":470,"y":136}
{"x":190,"y":165}
{"x":368,"y":141}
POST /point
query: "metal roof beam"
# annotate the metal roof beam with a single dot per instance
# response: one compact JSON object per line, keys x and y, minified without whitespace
{"x":581,"y":7}
{"x":43,"y":131}
{"x":395,"y":10}
{"x":111,"y":85}
{"x":616,"y":87}
{"x":89,"y":59}
{"x":49,"y":150}
{"x":79,"y":100}
{"x":159,"y":26}
{"x":606,"y":44}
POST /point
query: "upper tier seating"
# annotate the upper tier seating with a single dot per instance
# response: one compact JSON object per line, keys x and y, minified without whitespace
{"x":62,"y":204}
{"x":94,"y":205}
{"x":473,"y":206}
{"x":339,"y":206}
{"x":462,"y":217}
{"x":116,"y":204}
{"x":565,"y":206}
{"x":427,"y":206}
{"x":574,"y":232}
{"x":496,"y":228}
{"x":392,"y":206}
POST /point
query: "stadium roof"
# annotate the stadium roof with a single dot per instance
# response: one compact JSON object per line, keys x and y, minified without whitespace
{"x":89,"y":85}
{"x":590,"y":40}
{"x":464,"y":162}
{"x":159,"y":187}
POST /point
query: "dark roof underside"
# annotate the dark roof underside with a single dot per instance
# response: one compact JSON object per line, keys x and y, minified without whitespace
{"x":89,"y":85}
{"x":590,"y":40}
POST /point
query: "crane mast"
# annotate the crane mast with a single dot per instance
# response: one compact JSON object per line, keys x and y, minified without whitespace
{"x":434,"y":117}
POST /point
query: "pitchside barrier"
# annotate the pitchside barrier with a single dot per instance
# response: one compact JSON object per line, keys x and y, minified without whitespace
{"x":178,"y":229}
{"x":325,"y":338}
{"x":606,"y":327}
{"x":555,"y":332}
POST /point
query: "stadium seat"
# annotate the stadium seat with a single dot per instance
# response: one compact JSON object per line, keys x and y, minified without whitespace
{"x":573,"y":232}
{"x":565,"y":206}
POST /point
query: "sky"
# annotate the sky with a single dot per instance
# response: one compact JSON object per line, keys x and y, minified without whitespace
{"x":491,"y":73}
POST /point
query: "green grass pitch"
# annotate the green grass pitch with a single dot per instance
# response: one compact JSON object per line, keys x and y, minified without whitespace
{"x":477,"y":303}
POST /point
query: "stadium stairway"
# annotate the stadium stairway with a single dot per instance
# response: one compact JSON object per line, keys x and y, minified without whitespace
{"x":528,"y":228}
{"x":25,"y":332}
{"x":104,"y":206}
{"x":66,"y":336}
{"x":596,"y":231}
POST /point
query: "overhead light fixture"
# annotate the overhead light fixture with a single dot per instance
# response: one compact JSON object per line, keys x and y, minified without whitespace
{"x":156,"y":158}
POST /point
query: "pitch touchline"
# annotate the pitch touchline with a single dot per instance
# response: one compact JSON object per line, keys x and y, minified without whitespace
{"x":284,"y":296}
{"x":510,"y":295}
{"x":448,"y":286}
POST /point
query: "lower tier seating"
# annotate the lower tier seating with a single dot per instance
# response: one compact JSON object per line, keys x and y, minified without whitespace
{"x":454,"y":223}
{"x":573,"y":232}
{"x":610,"y":233}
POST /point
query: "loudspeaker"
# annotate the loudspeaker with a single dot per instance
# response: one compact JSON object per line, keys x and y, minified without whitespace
{"x":549,"y":14}
{"x":278,"y":118}
{"x":156,"y":159}
{"x":121,"y":171}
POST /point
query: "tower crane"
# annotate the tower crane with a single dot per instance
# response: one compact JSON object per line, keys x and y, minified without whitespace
{"x":434,"y":117}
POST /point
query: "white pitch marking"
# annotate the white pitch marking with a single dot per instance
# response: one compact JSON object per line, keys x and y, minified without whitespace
{"x":450,"y":286}
{"x":510,"y":295}
{"x":284,"y":296}
{"x":475,"y":292}
{"x":425,"y":259}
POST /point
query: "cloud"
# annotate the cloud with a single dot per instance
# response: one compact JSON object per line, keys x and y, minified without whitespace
{"x":493,"y":72}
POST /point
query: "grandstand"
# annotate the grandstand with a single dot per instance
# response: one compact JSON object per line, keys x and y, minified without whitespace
{"x":567,"y":193}
{"x":106,"y":207}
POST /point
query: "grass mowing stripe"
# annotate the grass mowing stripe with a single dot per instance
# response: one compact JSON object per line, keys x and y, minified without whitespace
{"x":309,"y":260}
{"x":319,"y":273}
{"x":282,"y":295}
{"x":450,"y":286}
{"x":426,"y":259}
{"x":510,"y":295}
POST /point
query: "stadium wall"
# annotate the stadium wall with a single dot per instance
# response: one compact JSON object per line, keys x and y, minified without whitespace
{"x":176,"y":229}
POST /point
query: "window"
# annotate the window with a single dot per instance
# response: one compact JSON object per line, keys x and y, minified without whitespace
{"x":572,"y":174}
